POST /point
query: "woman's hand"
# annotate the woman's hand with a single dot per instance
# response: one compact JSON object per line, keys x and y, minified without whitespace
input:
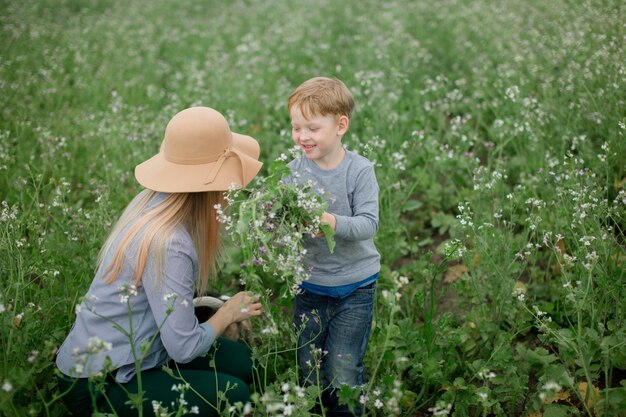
{"x":239,"y":307}
{"x":242,"y":306}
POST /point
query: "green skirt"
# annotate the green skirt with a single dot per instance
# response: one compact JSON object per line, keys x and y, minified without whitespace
{"x":231,"y":376}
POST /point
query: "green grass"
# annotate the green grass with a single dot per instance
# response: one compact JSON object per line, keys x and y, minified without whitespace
{"x":496,"y":125}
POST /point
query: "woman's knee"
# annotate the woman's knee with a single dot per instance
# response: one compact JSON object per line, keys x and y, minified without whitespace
{"x":235,"y":359}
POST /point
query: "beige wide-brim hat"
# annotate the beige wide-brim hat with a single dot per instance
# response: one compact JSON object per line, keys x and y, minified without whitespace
{"x":200,"y":153}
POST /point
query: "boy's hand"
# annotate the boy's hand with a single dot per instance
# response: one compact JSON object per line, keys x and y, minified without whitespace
{"x":328,"y":219}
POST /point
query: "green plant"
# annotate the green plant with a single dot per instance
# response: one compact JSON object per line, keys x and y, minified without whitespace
{"x":268,"y":222}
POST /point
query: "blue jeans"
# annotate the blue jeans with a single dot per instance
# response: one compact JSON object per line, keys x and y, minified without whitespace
{"x":333,"y":339}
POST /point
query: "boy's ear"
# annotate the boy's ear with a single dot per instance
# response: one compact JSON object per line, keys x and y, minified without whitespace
{"x":344,"y":123}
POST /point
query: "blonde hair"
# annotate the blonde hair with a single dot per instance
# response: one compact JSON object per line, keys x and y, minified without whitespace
{"x":322,"y":95}
{"x":147,"y":231}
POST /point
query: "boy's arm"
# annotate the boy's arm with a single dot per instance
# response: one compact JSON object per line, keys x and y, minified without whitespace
{"x":363,"y":223}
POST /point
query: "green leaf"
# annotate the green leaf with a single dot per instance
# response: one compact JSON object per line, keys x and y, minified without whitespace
{"x":442,"y":222}
{"x":348,"y":396}
{"x":244,"y":220}
{"x":168,"y":371}
{"x":135,"y":399}
{"x":329,"y":233}
{"x":557,"y":410}
{"x":539,"y":356}
{"x":145,"y":347}
{"x":279,"y":168}
{"x":557,"y":373}
{"x":313,"y":391}
{"x":277,"y":206}
{"x":409,"y":399}
{"x":412,"y":205}
{"x":613,"y":399}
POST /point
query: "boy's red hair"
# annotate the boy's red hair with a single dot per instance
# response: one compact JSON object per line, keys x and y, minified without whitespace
{"x":322,"y":95}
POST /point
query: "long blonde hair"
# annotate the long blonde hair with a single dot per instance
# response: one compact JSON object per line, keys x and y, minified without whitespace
{"x":147,"y":230}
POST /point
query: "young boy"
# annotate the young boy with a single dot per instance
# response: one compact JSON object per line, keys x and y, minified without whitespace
{"x":335,"y":306}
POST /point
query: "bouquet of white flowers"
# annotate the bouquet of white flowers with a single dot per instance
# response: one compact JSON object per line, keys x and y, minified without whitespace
{"x":269,"y":221}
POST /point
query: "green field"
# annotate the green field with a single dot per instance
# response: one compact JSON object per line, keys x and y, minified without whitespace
{"x":498,"y":130}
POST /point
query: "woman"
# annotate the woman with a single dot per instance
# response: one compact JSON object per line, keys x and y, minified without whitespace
{"x":138,"y":314}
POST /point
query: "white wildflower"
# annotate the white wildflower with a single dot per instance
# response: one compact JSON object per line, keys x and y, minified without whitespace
{"x":32,"y":357}
{"x":441,"y":410}
{"x":7,"y":386}
{"x":170,"y":297}
{"x":512,"y":92}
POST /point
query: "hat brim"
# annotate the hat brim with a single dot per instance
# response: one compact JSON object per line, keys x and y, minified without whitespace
{"x":159,"y":174}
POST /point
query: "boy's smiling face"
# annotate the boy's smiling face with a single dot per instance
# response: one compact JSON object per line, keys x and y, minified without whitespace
{"x":319,"y":136}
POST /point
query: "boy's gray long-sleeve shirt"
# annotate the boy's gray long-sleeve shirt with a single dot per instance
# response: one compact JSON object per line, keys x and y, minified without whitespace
{"x":351,"y":191}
